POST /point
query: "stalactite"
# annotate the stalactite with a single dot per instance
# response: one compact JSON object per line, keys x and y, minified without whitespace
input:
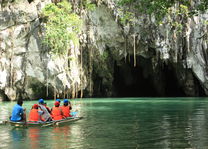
{"x":64,"y":92}
{"x":67,"y":94}
{"x":134,"y":36}
{"x":47,"y":76}
{"x":81,"y":95}
{"x":125,"y":52}
{"x":47,"y":83}
{"x":11,"y":59}
{"x":90,"y":70}
{"x":75,"y":95}
{"x":73,"y":91}
{"x":54,"y":94}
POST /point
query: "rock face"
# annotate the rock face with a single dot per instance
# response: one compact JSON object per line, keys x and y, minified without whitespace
{"x":27,"y":71}
{"x":143,"y":60}
{"x":173,"y":62}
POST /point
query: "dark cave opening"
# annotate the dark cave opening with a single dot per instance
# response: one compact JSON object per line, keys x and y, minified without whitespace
{"x":130,"y":81}
{"x":142,"y":81}
{"x":172,"y":87}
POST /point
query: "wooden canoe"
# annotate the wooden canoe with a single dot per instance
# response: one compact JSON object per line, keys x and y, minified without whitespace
{"x":43,"y":124}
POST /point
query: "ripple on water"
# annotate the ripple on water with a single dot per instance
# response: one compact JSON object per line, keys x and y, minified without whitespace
{"x":118,"y":123}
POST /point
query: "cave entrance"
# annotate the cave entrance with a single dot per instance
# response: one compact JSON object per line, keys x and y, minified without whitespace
{"x":172,"y":87}
{"x":130,"y":81}
{"x":142,"y":81}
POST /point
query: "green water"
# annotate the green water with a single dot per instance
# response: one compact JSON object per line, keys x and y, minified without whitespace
{"x":118,"y":123}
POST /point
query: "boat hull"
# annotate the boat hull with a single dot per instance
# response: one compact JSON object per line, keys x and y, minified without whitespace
{"x":44,"y":124}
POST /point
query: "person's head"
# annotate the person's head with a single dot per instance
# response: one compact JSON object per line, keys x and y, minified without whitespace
{"x":20,"y":102}
{"x":41,"y":101}
{"x":58,"y":100}
{"x":66,"y":102}
{"x":35,"y":106}
{"x":56,"y":104}
{"x":45,"y":104}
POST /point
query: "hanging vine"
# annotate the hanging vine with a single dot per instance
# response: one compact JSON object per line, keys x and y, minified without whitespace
{"x":62,"y":28}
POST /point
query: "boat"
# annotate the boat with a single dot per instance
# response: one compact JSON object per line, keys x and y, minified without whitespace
{"x":43,"y":124}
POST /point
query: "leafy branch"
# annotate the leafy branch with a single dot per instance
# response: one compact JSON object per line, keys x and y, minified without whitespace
{"x":62,"y":26}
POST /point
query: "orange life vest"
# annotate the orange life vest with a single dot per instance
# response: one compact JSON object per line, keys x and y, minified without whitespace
{"x":57,"y":113}
{"x":66,"y":111}
{"x":34,"y":116}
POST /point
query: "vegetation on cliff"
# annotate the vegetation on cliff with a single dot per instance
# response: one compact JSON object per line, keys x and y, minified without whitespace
{"x":62,"y":27}
{"x":162,"y":7}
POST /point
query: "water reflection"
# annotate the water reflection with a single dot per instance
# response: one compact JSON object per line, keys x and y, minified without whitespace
{"x":61,"y":135}
{"x":34,"y":137}
{"x":17,"y":136}
{"x":120,"y":124}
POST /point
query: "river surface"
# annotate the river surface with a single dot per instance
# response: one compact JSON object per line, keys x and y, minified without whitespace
{"x":117,"y":123}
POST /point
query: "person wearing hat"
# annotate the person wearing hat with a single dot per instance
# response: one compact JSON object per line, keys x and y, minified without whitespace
{"x":49,"y":110}
{"x":66,"y":108}
{"x":45,"y":115}
{"x":58,"y":100}
{"x":35,"y":114}
{"x":56,"y":112}
{"x":18,"y":113}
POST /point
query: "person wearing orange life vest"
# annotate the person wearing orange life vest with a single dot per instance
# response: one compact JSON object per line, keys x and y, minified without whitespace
{"x":66,"y":108}
{"x":56,"y":112}
{"x":34,"y":114}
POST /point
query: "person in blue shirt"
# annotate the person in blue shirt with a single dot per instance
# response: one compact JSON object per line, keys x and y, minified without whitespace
{"x":18,"y":113}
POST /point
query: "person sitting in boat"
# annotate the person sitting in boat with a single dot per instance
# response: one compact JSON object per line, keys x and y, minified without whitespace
{"x":45,"y":115}
{"x":70,"y":106}
{"x":58,"y":100}
{"x":35,"y":114}
{"x":49,"y":110}
{"x":56,"y":112}
{"x":18,"y":113}
{"x":66,"y":108}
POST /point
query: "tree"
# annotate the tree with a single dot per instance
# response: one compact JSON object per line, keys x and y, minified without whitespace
{"x":62,"y":26}
{"x":161,"y":7}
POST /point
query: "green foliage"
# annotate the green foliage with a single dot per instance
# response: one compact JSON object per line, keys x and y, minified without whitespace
{"x":181,"y":14}
{"x":125,"y":2}
{"x":206,"y":22}
{"x":203,"y":6}
{"x":62,"y":26}
{"x":176,"y":16}
{"x":104,"y":56}
{"x":88,"y":5}
{"x":178,"y":26}
{"x":160,"y":7}
{"x":126,"y":16}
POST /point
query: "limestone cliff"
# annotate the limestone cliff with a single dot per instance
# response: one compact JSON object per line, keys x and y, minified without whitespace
{"x":170,"y":62}
{"x":115,"y":58}
{"x":26,"y":69}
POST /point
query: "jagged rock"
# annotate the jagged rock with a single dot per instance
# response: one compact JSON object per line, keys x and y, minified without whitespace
{"x":28,"y":71}
{"x":26,"y":68}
